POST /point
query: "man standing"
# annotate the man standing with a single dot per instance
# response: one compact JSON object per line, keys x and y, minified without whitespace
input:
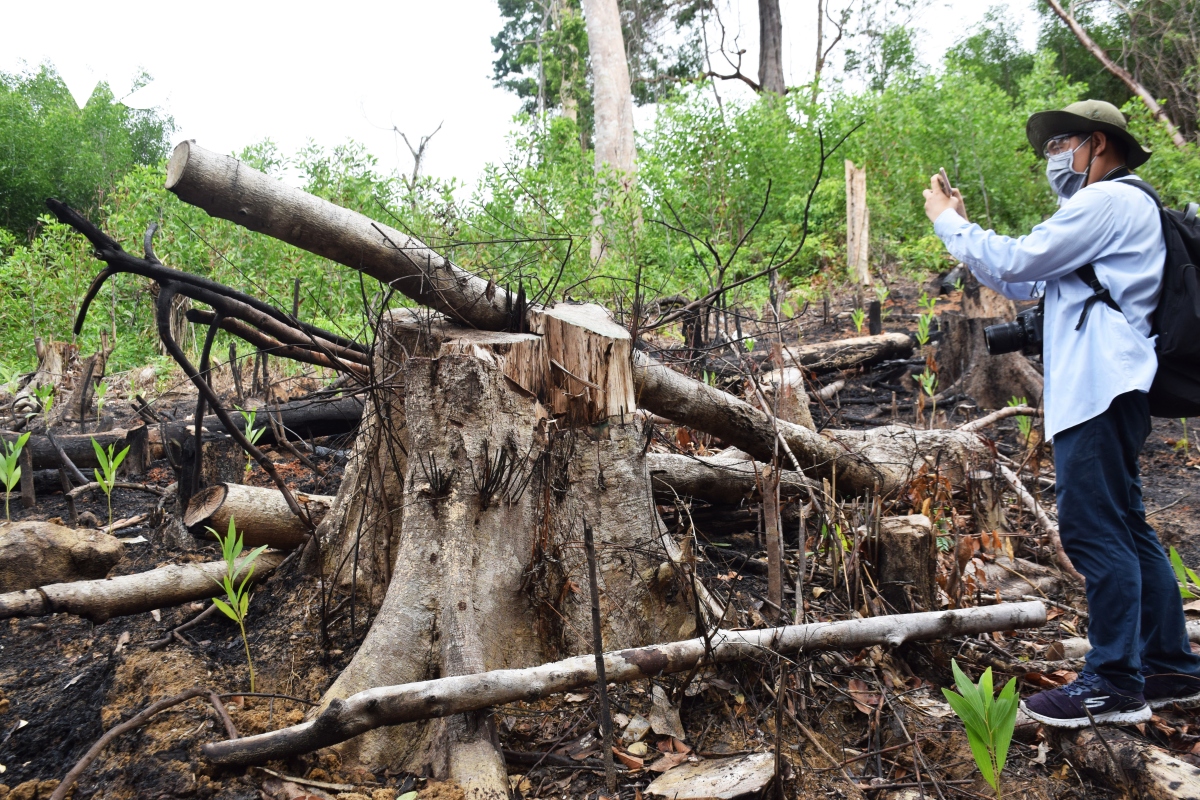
{"x":1099,"y":361}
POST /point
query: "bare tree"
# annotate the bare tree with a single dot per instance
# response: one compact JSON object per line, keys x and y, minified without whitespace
{"x":418,"y":155}
{"x":823,"y":51}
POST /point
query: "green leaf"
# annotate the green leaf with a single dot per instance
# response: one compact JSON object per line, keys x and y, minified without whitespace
{"x":983,"y":757}
{"x":245,"y":606}
{"x":99,"y":452}
{"x":968,"y":713}
{"x":120,"y":457}
{"x":225,"y":609}
{"x":1005,"y":721}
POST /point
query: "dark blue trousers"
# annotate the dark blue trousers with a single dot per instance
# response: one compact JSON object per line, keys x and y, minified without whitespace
{"x":1135,"y":613}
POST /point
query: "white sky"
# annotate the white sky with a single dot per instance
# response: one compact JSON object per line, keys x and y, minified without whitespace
{"x":233,"y":74}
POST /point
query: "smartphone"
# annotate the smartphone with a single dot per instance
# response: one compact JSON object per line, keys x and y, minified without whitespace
{"x":944,"y":180}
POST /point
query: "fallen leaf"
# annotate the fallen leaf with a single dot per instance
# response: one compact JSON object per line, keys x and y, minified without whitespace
{"x":575,"y":698}
{"x":667,"y":761}
{"x":664,"y":717}
{"x":865,"y":700}
{"x":631,"y":762}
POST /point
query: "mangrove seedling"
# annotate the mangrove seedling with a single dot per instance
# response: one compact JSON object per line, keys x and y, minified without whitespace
{"x":106,"y":476}
{"x":10,"y":468}
{"x":236,"y":604}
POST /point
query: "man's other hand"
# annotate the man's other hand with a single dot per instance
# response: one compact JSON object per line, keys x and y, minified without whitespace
{"x":936,"y":201}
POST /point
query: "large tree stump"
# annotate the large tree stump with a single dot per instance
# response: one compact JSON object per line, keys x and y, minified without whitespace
{"x":482,"y":457}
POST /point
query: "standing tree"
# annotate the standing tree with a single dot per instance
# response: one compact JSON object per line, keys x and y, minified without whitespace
{"x":770,"y":43}
{"x":615,"y":154}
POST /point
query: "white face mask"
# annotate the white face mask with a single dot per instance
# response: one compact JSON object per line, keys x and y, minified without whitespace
{"x":1060,"y":171}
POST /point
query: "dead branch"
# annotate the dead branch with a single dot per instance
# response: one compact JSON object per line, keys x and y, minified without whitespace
{"x":133,"y":723}
{"x":1120,"y":72}
{"x":392,"y":705}
{"x":262,"y":515}
{"x":102,"y":600}
{"x":137,"y":487}
{"x":996,"y":416}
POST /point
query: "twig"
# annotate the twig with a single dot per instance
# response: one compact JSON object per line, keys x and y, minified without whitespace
{"x":1043,"y":519}
{"x":226,"y":720}
{"x":159,"y":644}
{"x":133,"y":723}
{"x":996,"y":416}
{"x":140,"y":487}
{"x":333,"y":787}
{"x":65,"y":460}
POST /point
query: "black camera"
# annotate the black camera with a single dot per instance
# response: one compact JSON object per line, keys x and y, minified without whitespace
{"x":1023,"y":334}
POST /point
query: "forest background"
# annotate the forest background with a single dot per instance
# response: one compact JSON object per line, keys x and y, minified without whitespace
{"x":724,"y":188}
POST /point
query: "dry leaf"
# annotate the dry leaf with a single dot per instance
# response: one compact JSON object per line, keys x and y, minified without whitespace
{"x":865,"y":700}
{"x":631,"y":762}
{"x":668,"y":761}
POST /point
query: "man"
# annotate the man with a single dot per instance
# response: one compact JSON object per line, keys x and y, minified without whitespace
{"x":1099,"y":363}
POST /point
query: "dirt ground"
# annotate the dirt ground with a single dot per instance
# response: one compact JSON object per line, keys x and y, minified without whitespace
{"x":878,"y":714}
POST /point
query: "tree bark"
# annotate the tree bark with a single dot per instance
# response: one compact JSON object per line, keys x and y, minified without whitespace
{"x":227,"y":188}
{"x":770,"y":43}
{"x":716,"y":480}
{"x":1121,"y":74}
{"x":102,"y":600}
{"x":1130,"y":764}
{"x":392,"y":705}
{"x":855,"y":351}
{"x":261,"y":515}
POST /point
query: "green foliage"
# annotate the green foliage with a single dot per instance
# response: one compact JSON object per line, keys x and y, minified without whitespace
{"x":45,"y":397}
{"x":858,"y":316}
{"x":106,"y":476}
{"x":10,"y":468}
{"x":252,"y":433}
{"x":993,"y":52}
{"x":989,"y":720}
{"x":49,"y":147}
{"x":1189,"y":581}
{"x":236,"y":604}
{"x":1183,"y":442}
{"x":101,"y":394}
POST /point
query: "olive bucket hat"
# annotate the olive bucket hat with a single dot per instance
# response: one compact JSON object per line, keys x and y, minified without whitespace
{"x":1085,"y":116}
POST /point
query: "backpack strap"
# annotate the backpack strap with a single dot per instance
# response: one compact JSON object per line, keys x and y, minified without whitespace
{"x":1087,"y":273}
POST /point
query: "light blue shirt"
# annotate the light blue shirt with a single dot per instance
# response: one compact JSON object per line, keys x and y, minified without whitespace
{"x":1117,"y":229}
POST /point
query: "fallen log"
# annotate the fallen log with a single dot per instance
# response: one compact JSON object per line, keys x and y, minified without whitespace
{"x":102,"y":600}
{"x":78,"y":447}
{"x":715,"y":480}
{"x":393,"y":705}
{"x":302,"y":419}
{"x":858,"y":351}
{"x":227,"y":188}
{"x":261,"y":515}
{"x":1123,"y":761}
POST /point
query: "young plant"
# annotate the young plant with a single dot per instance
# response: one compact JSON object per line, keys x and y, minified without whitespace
{"x":10,"y":468}
{"x":989,"y":720}
{"x":929,"y":381}
{"x":1189,"y":581}
{"x":858,"y":316}
{"x":882,"y":293}
{"x":9,"y":379}
{"x":923,"y":323}
{"x":1024,"y":424}
{"x":252,"y":433}
{"x":1183,"y":443}
{"x":106,"y":476}
{"x":236,"y":604}
{"x":928,"y":303}
{"x":748,"y":343}
{"x":101,"y":394}
{"x":45,"y":396}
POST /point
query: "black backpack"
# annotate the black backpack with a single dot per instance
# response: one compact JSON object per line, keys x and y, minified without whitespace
{"x":1176,"y":389}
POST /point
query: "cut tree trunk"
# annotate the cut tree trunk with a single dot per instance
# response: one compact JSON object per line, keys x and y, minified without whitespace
{"x":1132,"y":765}
{"x":102,"y":600}
{"x":393,"y":705}
{"x":906,"y":559}
{"x":480,"y":457}
{"x":719,"y":479}
{"x":991,"y":381}
{"x":225,"y":187}
{"x":858,"y":226}
{"x":261,"y":515}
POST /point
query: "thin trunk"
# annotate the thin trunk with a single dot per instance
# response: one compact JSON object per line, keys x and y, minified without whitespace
{"x":770,"y":41}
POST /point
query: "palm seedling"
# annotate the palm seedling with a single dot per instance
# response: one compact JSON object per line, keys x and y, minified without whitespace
{"x":252,"y":433}
{"x":989,"y":720}
{"x":106,"y":475}
{"x":858,"y":316}
{"x":236,"y":604}
{"x":10,"y":468}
